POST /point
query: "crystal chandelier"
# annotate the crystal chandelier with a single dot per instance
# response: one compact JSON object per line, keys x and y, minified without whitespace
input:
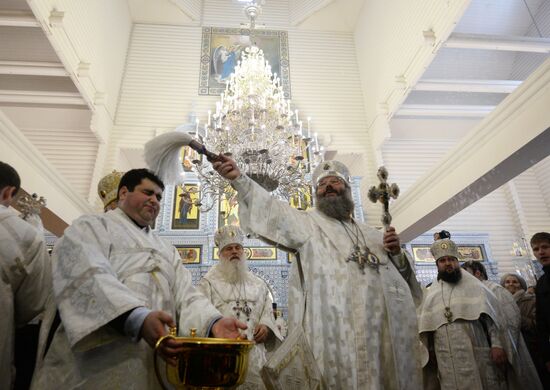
{"x":254,"y":124}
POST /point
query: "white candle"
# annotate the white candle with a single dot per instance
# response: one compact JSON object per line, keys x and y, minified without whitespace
{"x":197,"y":126}
{"x":205,"y":131}
{"x":308,"y":129}
{"x":316,"y":142}
{"x":300,"y":123}
{"x":297,"y":118}
{"x":209,"y":116}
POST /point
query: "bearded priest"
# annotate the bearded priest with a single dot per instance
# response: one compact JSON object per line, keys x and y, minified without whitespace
{"x":360,"y":318}
{"x":463,"y":328}
{"x":237,"y":292}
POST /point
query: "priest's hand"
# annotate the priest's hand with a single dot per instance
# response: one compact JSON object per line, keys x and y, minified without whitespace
{"x":154,"y":327}
{"x":226,"y":167}
{"x":260,"y":333}
{"x":391,"y":241}
{"x":498,"y":356}
{"x":228,"y":328}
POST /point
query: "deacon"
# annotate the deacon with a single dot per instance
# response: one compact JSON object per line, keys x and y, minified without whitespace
{"x":360,"y":318}
{"x":459,"y":324}
{"x":25,"y":276}
{"x":118,"y":287}
{"x":237,"y":292}
{"x":107,"y":189}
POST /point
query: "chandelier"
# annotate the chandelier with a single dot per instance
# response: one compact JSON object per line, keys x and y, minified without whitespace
{"x":255,"y":125}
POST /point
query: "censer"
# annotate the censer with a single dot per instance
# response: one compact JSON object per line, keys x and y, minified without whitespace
{"x":204,"y":363}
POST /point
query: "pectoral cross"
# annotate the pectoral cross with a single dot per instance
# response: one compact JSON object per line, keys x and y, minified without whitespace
{"x":448,"y":314}
{"x":383,"y":193}
{"x":363,"y":258}
{"x":238,"y":309}
{"x":358,"y":257}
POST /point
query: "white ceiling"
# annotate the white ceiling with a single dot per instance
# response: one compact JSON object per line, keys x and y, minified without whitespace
{"x":467,"y":80}
{"x":40,"y":98}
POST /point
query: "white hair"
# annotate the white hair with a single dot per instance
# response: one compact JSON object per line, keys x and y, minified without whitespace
{"x":233,"y":271}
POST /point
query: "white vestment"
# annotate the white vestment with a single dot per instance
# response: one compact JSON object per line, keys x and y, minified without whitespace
{"x":281,"y":325}
{"x":524,"y":374}
{"x":254,"y":292}
{"x":462,"y":344}
{"x":25,"y":282}
{"x":103,"y":267}
{"x":361,"y":327}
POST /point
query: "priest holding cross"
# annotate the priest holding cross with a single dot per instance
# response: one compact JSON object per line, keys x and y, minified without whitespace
{"x":359,"y":318}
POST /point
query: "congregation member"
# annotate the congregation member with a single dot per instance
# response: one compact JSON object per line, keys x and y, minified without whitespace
{"x":360,"y":318}
{"x":517,"y":286}
{"x":118,"y":286}
{"x":540,"y":245}
{"x":236,"y":292}
{"x":25,"y":275}
{"x":461,"y":325}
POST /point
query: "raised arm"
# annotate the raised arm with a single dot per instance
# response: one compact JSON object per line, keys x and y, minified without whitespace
{"x":261,"y":213}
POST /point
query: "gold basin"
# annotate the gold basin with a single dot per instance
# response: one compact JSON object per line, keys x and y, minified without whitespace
{"x":206,"y":363}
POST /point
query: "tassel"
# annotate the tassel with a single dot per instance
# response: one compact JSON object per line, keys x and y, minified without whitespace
{"x":162,"y":156}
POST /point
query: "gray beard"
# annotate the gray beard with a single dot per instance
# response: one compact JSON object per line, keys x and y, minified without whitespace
{"x":233,"y":271}
{"x":339,"y":207}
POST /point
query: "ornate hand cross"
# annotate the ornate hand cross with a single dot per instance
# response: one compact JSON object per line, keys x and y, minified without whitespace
{"x":383,"y":193}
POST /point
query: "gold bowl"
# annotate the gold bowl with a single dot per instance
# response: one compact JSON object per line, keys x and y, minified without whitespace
{"x":205,"y":363}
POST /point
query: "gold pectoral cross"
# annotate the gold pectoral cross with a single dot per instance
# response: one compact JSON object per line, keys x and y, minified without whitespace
{"x":363,"y":258}
{"x":448,"y":314}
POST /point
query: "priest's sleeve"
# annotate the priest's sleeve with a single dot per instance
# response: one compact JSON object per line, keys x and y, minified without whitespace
{"x":262,"y":214}
{"x":194,"y":310}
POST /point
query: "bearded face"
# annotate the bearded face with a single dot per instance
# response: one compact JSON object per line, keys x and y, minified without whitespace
{"x":448,"y":269}
{"x":233,"y":263}
{"x":333,"y":198}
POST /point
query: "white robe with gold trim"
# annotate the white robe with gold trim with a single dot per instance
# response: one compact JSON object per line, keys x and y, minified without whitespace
{"x":462,"y":347}
{"x":256,"y":293}
{"x":104,"y":266}
{"x":361,"y":327}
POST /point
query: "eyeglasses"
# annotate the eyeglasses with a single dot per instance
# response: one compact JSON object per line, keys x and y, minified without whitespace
{"x":332,"y":181}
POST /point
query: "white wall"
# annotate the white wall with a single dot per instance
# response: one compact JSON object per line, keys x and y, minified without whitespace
{"x":160,"y":86}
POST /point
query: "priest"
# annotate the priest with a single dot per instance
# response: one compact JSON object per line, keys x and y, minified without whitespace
{"x":25,"y":275}
{"x":360,"y":318}
{"x":236,"y":292}
{"x":466,"y":332}
{"x":118,"y":287}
